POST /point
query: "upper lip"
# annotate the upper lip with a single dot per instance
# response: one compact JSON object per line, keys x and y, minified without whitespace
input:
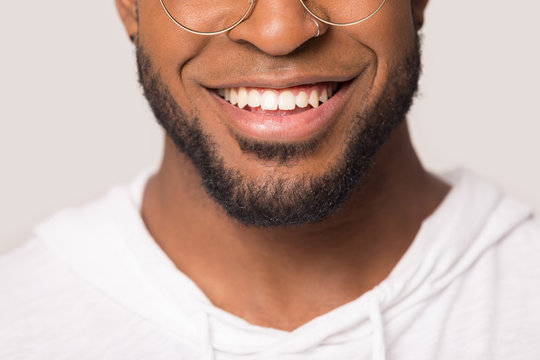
{"x":278,"y":80}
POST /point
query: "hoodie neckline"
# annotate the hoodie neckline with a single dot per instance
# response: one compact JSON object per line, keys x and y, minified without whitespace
{"x":182,"y":290}
{"x":175,"y":302}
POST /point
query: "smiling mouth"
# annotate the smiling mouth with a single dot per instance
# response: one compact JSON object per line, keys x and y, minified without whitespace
{"x":296,"y":113}
{"x":275,"y":102}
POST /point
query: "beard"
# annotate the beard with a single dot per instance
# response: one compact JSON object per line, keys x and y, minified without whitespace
{"x":279,"y":201}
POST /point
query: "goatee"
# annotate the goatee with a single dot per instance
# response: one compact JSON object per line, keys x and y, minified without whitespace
{"x":280,"y":201}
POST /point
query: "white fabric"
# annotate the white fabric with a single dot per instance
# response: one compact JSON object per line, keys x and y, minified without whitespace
{"x":92,"y":284}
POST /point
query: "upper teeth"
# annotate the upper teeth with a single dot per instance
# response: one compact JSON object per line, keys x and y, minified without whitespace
{"x":283,"y":99}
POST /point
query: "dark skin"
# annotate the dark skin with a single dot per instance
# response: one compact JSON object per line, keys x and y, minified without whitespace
{"x":283,"y":277}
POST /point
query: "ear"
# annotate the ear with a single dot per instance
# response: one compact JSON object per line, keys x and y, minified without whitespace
{"x":127,"y":9}
{"x":418,"y":9}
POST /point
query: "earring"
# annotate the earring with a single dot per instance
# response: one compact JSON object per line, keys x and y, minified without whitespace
{"x":318,"y":28}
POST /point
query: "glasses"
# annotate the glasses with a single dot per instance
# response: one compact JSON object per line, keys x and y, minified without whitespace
{"x":212,"y":17}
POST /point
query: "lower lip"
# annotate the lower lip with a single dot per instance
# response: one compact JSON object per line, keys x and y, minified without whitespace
{"x":287,"y":128}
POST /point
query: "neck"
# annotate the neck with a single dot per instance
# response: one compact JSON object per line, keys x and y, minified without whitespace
{"x":284,"y":277}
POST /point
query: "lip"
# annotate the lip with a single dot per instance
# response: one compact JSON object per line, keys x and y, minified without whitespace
{"x":280,"y":81}
{"x":288,"y":128}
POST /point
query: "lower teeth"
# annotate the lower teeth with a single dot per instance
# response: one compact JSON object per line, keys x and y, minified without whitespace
{"x":278,"y":112}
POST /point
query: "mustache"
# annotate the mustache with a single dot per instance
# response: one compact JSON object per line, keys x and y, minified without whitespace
{"x":249,"y":59}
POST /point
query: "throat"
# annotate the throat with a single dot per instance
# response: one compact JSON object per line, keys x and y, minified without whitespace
{"x":285,"y":277}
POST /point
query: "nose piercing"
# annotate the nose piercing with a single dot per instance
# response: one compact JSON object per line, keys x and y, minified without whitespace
{"x":318,"y":28}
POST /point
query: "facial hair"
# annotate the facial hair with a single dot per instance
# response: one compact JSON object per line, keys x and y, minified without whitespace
{"x":284,"y":201}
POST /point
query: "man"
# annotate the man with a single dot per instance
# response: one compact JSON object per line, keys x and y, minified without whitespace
{"x":290,"y":217}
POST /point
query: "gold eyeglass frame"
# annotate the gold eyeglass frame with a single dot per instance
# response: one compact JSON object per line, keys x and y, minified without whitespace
{"x":248,"y":11}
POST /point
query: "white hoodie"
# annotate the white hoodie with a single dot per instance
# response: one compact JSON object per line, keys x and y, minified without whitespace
{"x":92,"y":284}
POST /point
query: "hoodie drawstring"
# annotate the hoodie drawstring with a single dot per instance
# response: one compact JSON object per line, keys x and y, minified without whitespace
{"x":375,"y":317}
{"x":205,"y":340}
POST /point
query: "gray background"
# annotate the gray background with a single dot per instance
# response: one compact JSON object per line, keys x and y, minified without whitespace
{"x":73,"y":121}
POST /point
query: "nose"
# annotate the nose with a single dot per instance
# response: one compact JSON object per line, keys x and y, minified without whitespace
{"x":277,"y":27}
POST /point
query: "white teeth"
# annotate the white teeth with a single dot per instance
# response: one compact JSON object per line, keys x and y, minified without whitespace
{"x":269,"y":100}
{"x":242,"y":97}
{"x":301,"y":99}
{"x":254,"y":98}
{"x":314,"y":99}
{"x":278,"y":99}
{"x":324,"y":96}
{"x":234,"y":97}
{"x":287,"y":100}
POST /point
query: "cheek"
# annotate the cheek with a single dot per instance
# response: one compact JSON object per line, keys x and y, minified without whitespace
{"x":390,"y":36}
{"x":397,"y":30}
{"x":169,"y":47}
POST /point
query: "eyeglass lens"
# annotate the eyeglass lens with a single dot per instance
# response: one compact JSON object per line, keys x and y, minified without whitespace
{"x":212,"y":16}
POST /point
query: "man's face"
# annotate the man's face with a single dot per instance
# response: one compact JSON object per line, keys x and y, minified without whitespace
{"x":278,"y":168}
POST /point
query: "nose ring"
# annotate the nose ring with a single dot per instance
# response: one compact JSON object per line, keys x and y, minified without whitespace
{"x":318,"y":28}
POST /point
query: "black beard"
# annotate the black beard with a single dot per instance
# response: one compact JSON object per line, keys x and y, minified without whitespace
{"x":275,"y":201}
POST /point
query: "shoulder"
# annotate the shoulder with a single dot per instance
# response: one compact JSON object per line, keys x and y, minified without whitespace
{"x":48,"y":303}
{"x":38,"y":294}
{"x":31,"y":280}
{"x":49,"y":311}
{"x":27,"y":274}
{"x":518,"y":253}
{"x":507,"y":292}
{"x":34,"y":274}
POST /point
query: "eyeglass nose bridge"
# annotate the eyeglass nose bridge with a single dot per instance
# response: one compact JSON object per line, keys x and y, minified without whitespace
{"x":252,"y":5}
